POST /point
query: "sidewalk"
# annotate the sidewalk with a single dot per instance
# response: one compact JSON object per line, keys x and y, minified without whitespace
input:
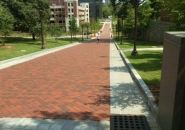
{"x":75,"y":88}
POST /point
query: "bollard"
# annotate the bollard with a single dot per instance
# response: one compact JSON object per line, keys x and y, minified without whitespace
{"x":171,"y":112}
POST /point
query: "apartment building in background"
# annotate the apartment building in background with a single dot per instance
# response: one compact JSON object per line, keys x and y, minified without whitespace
{"x":107,"y":2}
{"x":63,"y":10}
{"x":95,"y":8}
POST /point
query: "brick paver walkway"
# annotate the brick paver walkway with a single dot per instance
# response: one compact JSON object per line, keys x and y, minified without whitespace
{"x":69,"y":84}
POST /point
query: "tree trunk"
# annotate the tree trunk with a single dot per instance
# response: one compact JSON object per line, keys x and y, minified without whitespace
{"x":2,"y":42}
{"x":118,"y":35}
{"x":33,"y":36}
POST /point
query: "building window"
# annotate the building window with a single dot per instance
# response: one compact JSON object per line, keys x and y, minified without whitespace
{"x":68,"y":4}
{"x":69,"y":10}
{"x":71,"y":4}
{"x":72,"y":10}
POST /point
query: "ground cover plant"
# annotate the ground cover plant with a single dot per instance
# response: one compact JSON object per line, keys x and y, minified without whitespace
{"x":139,"y":44}
{"x":148,"y":65}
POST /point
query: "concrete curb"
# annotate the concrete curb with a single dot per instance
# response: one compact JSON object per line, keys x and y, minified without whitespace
{"x":24,"y":58}
{"x":141,"y":84}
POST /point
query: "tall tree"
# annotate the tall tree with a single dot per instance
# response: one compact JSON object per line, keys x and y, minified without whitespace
{"x":55,"y":31}
{"x":27,"y":13}
{"x":107,"y":10}
{"x":176,"y":10}
{"x":6,"y":23}
{"x":156,"y":6}
{"x":73,"y":26}
{"x":144,"y":16}
{"x":129,"y":22}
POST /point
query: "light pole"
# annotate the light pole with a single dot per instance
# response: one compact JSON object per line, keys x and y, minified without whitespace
{"x":87,"y":29}
{"x":118,"y":27}
{"x":82,"y":32}
{"x":134,"y":52}
{"x":94,"y":29}
{"x":41,"y":24}
{"x":122,"y":30}
{"x":91,"y":28}
{"x":70,"y":22}
{"x":54,"y":12}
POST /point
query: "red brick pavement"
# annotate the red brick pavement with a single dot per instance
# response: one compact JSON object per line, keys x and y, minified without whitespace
{"x":70,"y":84}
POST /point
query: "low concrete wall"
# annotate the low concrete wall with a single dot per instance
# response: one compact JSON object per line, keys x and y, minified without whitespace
{"x":141,"y":84}
{"x":156,"y":30}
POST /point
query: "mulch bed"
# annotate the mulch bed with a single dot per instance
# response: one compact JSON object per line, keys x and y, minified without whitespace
{"x":155,"y":89}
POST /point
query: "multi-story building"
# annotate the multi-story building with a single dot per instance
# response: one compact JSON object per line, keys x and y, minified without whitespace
{"x":63,"y":10}
{"x":84,"y":12}
{"x":107,"y":2}
{"x":95,"y":8}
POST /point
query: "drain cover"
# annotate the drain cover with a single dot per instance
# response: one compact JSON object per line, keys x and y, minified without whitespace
{"x":129,"y":122}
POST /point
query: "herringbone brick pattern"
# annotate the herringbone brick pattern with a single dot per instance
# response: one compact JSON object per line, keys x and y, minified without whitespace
{"x":69,"y":84}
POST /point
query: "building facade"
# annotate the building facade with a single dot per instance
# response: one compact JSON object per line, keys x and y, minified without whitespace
{"x":107,"y":2}
{"x":95,"y":8}
{"x":63,"y":10}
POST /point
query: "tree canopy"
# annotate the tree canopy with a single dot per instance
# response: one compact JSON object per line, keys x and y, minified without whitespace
{"x":176,"y":11}
{"x":6,"y":22}
{"x":28,"y":12}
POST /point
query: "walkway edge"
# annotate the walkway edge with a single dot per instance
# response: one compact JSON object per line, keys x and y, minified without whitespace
{"x":141,"y":84}
{"x":27,"y":57}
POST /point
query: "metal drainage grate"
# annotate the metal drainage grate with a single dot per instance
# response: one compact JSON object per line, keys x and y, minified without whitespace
{"x":129,"y":122}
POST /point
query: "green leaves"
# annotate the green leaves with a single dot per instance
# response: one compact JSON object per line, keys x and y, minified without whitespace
{"x":72,"y":25}
{"x":55,"y":30}
{"x":176,"y":12}
{"x":107,"y":10}
{"x":27,"y":12}
{"x":144,"y":14}
{"x":6,"y":22}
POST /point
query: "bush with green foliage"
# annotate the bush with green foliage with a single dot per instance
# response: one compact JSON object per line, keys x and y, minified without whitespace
{"x":6,"y":23}
{"x":55,"y":30}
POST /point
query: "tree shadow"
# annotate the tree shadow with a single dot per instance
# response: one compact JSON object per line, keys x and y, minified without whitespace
{"x":150,"y":65}
{"x":106,"y":41}
{"x":127,"y":95}
{"x":116,"y":69}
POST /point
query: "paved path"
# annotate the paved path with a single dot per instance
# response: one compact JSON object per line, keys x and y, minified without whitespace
{"x":76,"y":88}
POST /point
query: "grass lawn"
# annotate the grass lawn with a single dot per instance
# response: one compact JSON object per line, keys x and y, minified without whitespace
{"x":148,"y":64}
{"x":139,"y":44}
{"x":18,"y":46}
